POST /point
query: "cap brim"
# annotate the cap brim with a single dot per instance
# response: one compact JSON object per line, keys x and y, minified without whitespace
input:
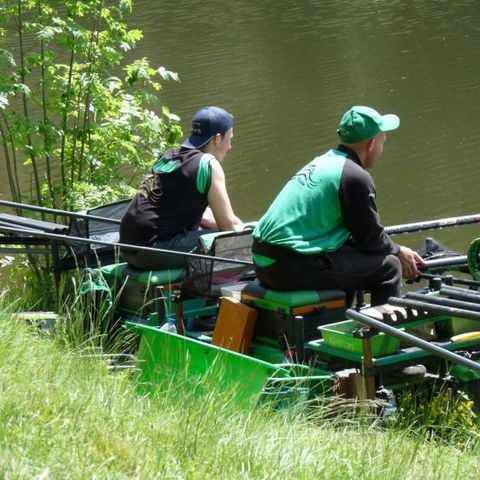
{"x":196,"y":141}
{"x":389,"y":122}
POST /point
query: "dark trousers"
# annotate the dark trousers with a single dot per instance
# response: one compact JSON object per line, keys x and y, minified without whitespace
{"x":182,"y":242}
{"x":347,"y":269}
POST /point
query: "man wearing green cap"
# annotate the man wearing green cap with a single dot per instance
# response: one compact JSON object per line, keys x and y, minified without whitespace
{"x":323,"y":230}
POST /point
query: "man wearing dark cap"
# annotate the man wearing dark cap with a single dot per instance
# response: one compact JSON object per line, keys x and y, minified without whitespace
{"x":183,"y":195}
{"x":323,"y":230}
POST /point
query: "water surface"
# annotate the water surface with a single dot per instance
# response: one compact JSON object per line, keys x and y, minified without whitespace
{"x":288,"y":69}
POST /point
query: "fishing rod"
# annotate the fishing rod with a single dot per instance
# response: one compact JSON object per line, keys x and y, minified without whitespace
{"x":429,"y":264}
{"x":444,"y":262}
{"x":392,"y":230}
{"x":126,"y":246}
{"x":448,"y":279}
{"x":55,"y":211}
{"x":445,"y":302}
{"x":460,"y":293}
{"x":424,"y":305}
{"x":433,"y":224}
{"x":396,"y":229}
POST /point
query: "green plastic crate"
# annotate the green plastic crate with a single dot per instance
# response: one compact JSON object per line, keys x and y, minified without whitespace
{"x":340,"y":336}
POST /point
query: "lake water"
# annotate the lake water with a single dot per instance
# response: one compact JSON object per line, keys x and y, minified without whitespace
{"x":288,"y":69}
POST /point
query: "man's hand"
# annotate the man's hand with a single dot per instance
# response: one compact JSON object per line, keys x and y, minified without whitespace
{"x":409,"y":260}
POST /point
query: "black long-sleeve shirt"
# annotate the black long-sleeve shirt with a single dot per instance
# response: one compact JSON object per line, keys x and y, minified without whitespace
{"x":357,"y":196}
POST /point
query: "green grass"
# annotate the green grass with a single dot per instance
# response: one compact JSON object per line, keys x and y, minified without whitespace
{"x":64,"y":415}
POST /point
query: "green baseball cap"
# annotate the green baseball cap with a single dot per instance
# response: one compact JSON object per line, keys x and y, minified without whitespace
{"x":360,"y":123}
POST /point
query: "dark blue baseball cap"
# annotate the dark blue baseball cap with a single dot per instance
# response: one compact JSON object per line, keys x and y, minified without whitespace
{"x":206,"y":123}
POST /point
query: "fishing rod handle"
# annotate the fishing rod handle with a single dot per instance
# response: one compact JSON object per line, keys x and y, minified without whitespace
{"x":447,"y":302}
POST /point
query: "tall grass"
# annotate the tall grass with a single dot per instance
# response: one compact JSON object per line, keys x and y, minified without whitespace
{"x":64,"y":414}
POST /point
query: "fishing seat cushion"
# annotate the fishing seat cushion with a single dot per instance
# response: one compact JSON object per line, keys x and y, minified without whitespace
{"x":136,"y":288}
{"x":278,"y":309}
{"x":292,"y":301}
{"x":154,"y":278}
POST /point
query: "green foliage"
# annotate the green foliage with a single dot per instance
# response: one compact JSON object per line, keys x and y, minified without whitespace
{"x":67,"y":413}
{"x":440,"y":414}
{"x":64,"y":106}
{"x":84,"y":194}
{"x":73,"y":117}
{"x":31,"y":288}
{"x":89,"y":309}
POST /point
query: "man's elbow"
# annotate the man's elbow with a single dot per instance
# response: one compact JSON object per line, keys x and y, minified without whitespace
{"x":230,"y":223}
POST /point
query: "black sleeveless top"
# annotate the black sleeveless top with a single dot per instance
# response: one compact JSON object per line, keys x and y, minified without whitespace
{"x":168,"y":200}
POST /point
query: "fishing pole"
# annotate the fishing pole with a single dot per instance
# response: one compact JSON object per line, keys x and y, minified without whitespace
{"x":126,"y":246}
{"x":449,"y":279}
{"x":432,"y":224}
{"x":426,"y":306}
{"x":444,"y":262}
{"x":392,"y":230}
{"x":439,"y":263}
{"x":460,"y":293}
{"x":445,"y":302}
{"x":55,"y":211}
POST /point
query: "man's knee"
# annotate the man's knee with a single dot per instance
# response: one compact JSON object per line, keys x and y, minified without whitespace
{"x":392,"y":273}
{"x":392,"y":263}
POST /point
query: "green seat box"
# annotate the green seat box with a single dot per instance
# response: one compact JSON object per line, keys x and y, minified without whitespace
{"x":278,"y":309}
{"x":136,"y":287}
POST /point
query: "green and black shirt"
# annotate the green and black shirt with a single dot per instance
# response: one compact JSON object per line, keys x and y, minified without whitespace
{"x":328,"y":201}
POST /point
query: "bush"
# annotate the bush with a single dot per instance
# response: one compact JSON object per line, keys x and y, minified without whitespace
{"x":442,"y":414}
{"x":63,"y":105}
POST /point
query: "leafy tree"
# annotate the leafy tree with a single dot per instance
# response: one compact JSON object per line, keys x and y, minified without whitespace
{"x":66,"y":113}
{"x":73,"y":117}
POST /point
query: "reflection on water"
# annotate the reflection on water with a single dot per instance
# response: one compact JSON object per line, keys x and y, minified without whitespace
{"x":287,"y":70}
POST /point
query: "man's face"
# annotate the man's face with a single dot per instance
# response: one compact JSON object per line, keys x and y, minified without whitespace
{"x":375,"y":150}
{"x":222,"y":144}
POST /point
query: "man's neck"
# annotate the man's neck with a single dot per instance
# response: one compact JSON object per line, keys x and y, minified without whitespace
{"x":354,"y":154}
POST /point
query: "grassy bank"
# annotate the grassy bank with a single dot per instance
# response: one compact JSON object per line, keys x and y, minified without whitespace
{"x":64,"y":415}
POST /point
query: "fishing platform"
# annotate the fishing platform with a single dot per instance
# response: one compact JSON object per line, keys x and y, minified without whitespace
{"x":284,"y":346}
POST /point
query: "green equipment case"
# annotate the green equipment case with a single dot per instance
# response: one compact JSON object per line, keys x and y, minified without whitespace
{"x":278,"y":311}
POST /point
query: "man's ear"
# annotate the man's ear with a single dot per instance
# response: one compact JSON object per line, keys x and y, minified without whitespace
{"x":370,"y":144}
{"x":217,"y":139}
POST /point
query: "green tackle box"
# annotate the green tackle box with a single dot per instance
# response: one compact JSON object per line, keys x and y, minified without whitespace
{"x":135,"y":289}
{"x":456,"y":325}
{"x":277,"y":311}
